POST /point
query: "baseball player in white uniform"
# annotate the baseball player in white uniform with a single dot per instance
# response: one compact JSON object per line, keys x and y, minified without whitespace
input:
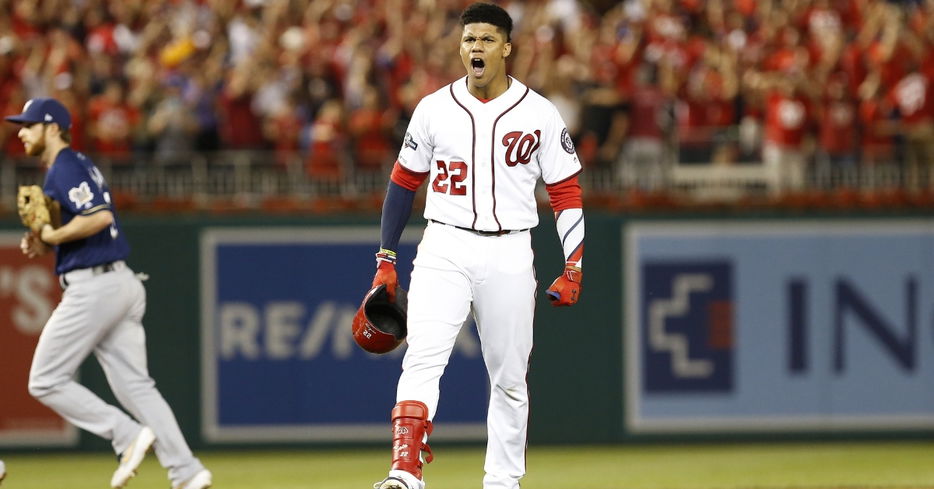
{"x":101,"y":311}
{"x":482,"y":142}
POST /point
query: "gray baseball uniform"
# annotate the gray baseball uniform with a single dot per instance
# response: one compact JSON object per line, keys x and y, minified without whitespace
{"x":101,"y":312}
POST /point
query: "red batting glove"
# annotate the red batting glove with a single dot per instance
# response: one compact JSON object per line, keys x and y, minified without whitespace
{"x":566,"y":289}
{"x":386,"y":272}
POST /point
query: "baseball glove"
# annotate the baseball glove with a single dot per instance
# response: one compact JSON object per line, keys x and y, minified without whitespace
{"x":35,"y":208}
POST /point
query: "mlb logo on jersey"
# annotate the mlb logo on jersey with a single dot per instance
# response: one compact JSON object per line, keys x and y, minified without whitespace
{"x":687,"y":326}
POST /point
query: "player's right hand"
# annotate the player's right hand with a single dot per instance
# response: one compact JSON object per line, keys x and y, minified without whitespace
{"x":32,"y":246}
{"x":566,"y":289}
{"x":386,"y":272}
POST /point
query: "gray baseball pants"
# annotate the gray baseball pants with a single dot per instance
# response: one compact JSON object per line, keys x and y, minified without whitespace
{"x":102,"y":313}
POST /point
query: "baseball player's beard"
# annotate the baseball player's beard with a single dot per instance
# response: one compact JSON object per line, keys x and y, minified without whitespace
{"x":36,"y":148}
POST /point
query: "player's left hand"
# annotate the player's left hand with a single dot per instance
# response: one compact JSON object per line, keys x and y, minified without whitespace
{"x":566,"y":289}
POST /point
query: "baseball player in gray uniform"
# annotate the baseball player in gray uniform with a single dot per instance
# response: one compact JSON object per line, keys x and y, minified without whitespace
{"x":483,"y":142}
{"x":101,"y":311}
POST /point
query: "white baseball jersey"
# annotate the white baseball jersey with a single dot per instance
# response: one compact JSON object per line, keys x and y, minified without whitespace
{"x":485,"y":179}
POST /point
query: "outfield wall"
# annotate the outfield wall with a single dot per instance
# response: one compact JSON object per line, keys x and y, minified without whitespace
{"x":688,"y":328}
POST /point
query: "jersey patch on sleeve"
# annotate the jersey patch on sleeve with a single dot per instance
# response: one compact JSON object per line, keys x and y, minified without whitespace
{"x":81,"y":195}
{"x":566,"y":141}
{"x":410,"y":142}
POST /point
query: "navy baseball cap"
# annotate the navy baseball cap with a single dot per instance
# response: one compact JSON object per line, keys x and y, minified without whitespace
{"x":45,"y":110}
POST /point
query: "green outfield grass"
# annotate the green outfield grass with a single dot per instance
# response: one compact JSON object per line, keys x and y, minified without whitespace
{"x":692,"y":466}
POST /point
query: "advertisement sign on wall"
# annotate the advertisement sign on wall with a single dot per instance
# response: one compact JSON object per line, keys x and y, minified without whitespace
{"x":770,"y":326}
{"x":29,"y":291}
{"x":279,"y":362}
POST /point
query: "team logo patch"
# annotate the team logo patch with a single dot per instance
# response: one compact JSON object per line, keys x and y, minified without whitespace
{"x":410,"y":142}
{"x":687,"y":326}
{"x":566,"y":141}
{"x":81,"y":195}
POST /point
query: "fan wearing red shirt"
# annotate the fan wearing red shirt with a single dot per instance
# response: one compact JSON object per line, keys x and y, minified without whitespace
{"x":837,"y":133}
{"x":877,"y":146}
{"x":643,"y":157}
{"x":913,"y":98}
{"x":112,"y":121}
{"x":787,"y":120}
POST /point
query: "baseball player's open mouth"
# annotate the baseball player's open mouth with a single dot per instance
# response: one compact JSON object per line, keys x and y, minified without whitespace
{"x":478,"y":66}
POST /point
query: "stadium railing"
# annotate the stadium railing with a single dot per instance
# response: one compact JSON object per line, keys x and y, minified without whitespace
{"x":266,"y":181}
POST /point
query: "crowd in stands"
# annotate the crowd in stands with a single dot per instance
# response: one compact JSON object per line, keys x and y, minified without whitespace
{"x":792,"y":83}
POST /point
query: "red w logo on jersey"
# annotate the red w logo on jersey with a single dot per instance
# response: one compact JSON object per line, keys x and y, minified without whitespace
{"x":520,"y":146}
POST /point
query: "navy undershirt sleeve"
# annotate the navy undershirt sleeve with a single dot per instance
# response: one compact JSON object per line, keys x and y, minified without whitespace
{"x":397,"y":208}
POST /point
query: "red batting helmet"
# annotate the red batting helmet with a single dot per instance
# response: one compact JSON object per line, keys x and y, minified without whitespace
{"x":380,"y":325}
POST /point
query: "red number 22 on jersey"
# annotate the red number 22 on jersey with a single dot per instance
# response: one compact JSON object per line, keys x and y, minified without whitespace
{"x":450,"y":178}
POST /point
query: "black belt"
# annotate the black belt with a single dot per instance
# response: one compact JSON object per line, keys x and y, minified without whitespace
{"x":95,"y":270}
{"x":99,"y":269}
{"x":482,"y":233}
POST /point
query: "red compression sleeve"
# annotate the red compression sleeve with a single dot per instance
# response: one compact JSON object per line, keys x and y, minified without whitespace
{"x":406,"y":178}
{"x":565,"y":194}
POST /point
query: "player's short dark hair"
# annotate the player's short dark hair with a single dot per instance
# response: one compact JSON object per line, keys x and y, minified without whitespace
{"x":488,"y":13}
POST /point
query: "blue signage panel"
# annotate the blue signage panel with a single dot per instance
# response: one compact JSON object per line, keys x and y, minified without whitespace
{"x":279,"y":361}
{"x":764,"y":326}
{"x":689,"y":310}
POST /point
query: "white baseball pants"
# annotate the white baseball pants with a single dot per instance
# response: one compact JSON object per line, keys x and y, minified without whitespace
{"x":456,"y":272}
